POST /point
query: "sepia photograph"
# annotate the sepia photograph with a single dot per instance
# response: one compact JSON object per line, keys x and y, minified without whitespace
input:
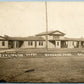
{"x":42,"y":42}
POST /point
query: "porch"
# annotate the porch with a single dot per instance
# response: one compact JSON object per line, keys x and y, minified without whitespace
{"x":65,"y":44}
{"x":15,"y":44}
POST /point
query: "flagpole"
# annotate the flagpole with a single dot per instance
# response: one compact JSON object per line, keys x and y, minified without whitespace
{"x":46,"y":25}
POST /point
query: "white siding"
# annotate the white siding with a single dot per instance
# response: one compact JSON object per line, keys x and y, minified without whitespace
{"x":58,"y":44}
{"x":70,"y":44}
{"x":25,"y":45}
{"x":5,"y":46}
{"x":51,"y":45}
{"x":50,"y":37}
{"x":40,"y":46}
{"x":61,"y":37}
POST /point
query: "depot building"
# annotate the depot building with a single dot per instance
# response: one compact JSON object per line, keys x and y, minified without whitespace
{"x":55,"y":39}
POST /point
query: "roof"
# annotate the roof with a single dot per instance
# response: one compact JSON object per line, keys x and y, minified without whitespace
{"x":36,"y":38}
{"x":56,"y":32}
{"x":2,"y":38}
{"x":74,"y":39}
{"x":70,"y":39}
{"x":31,"y":38}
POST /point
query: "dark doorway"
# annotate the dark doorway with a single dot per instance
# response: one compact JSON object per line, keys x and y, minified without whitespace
{"x":18,"y":44}
{"x":53,"y":42}
{"x":10,"y":44}
{"x":64,"y":44}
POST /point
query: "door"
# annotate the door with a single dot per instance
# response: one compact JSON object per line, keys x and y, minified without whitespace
{"x":57,"y":44}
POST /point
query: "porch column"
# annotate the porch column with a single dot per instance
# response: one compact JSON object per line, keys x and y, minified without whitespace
{"x":70,"y":44}
{"x":15,"y":44}
{"x":80,"y":46}
{"x":55,"y":44}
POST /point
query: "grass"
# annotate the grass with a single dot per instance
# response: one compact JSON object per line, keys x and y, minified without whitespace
{"x":42,"y":69}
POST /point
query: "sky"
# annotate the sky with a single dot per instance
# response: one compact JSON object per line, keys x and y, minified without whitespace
{"x":29,"y":18}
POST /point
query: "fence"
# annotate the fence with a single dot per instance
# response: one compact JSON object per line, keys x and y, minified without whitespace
{"x":39,"y":54}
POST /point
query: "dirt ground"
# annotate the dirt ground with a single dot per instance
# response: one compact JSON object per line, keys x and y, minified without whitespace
{"x":42,"y":69}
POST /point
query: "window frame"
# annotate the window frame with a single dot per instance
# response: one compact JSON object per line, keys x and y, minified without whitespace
{"x":57,"y":43}
{"x":3,"y":43}
{"x":30,"y":43}
{"x":40,"y":43}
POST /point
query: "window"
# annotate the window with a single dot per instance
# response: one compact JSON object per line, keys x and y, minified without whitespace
{"x":30,"y":43}
{"x":56,"y":37}
{"x":3,"y":43}
{"x":40,"y":43}
{"x":58,"y":43}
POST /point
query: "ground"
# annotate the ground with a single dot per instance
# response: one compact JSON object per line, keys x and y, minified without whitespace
{"x":42,"y":69}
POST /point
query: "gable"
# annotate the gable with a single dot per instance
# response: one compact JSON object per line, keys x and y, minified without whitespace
{"x":51,"y":33}
{"x":57,"y":33}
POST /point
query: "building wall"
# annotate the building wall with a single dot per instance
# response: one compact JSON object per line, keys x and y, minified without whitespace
{"x":51,"y":45}
{"x":57,"y":44}
{"x":35,"y":44}
{"x":61,"y":37}
{"x":5,"y":46}
{"x":41,"y":46}
{"x":25,"y":45}
{"x":50,"y":37}
{"x":70,"y":44}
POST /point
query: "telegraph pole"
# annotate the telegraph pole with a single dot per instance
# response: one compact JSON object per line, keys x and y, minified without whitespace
{"x":46,"y":25}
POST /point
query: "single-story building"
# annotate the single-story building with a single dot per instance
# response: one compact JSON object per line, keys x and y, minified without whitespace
{"x":56,"y":39}
{"x":26,"y":42}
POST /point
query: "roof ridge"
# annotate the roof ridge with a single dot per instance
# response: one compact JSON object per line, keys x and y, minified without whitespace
{"x":49,"y":32}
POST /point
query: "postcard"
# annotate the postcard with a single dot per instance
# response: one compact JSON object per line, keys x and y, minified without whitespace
{"x":41,"y":42}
